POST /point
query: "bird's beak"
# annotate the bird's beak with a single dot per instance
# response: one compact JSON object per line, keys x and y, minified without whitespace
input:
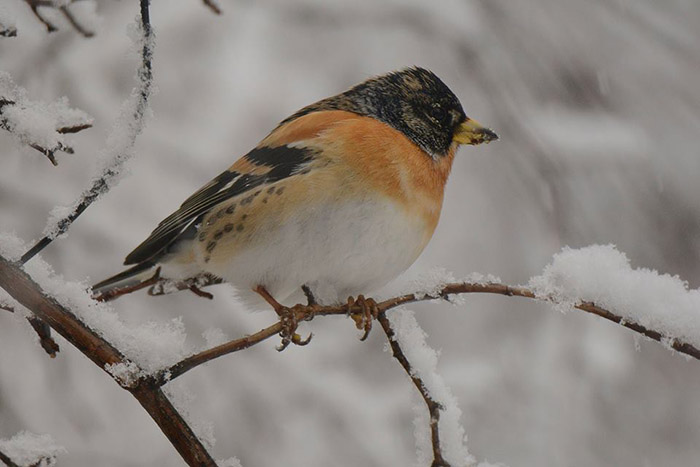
{"x":471,"y":132}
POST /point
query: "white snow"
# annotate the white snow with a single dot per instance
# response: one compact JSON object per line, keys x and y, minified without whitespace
{"x":7,"y":22}
{"x":120,"y":144}
{"x":36,"y":122}
{"x":214,"y":337}
{"x":182,"y":399}
{"x":230,"y":462}
{"x":153,"y":346}
{"x":423,"y":359}
{"x":602,"y":274}
{"x":28,"y":449}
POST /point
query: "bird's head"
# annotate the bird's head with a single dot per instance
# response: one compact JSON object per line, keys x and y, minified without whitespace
{"x":417,"y":103}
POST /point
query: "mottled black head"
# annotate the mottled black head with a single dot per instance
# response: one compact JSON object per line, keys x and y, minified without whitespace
{"x":413,"y":101}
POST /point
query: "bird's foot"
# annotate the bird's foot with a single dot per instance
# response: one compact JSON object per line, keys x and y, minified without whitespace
{"x":368,"y":312}
{"x":289,"y":319}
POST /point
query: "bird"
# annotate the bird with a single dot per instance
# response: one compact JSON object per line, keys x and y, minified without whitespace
{"x":336,"y":201}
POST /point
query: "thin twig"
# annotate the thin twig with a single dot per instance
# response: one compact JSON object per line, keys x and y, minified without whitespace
{"x":434,"y":407}
{"x":102,"y":185}
{"x":305,"y":312}
{"x":50,"y":153}
{"x":50,"y":27}
{"x":73,"y":22}
{"x":212,"y":5}
{"x":43,"y":330}
{"x":6,"y":459}
{"x":195,"y":360}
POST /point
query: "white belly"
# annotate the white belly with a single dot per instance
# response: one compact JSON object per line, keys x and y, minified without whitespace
{"x":336,"y":250}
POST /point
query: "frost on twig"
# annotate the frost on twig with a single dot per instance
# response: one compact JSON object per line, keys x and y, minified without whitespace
{"x":37,"y":124}
{"x":26,"y":449}
{"x":62,"y":6}
{"x":7,"y":24}
{"x":444,"y":443}
{"x":120,"y":142}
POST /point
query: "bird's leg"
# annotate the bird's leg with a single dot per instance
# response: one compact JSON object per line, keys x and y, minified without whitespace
{"x":288,"y":319}
{"x":368,"y":312}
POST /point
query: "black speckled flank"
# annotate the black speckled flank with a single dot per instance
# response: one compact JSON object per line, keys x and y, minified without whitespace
{"x":414,"y":101}
{"x":282,"y":162}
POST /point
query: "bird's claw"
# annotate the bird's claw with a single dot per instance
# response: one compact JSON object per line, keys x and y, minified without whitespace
{"x":368,"y":312}
{"x":289,"y":319}
{"x":290,"y":322}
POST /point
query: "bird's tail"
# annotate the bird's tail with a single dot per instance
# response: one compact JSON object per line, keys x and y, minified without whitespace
{"x":135,"y":278}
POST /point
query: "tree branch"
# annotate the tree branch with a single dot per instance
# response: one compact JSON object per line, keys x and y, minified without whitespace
{"x":103,"y":184}
{"x":8,"y":462}
{"x":30,"y":294}
{"x":50,"y":27}
{"x":213,"y":6}
{"x":43,"y":330}
{"x":49,"y":152}
{"x":307,"y":312}
{"x":434,"y":407}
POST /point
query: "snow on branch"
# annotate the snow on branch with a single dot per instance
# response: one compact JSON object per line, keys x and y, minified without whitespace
{"x":120,"y":143}
{"x":7,"y":24}
{"x":26,"y":449}
{"x":445,"y":435}
{"x":599,"y":279}
{"x":37,"y":124}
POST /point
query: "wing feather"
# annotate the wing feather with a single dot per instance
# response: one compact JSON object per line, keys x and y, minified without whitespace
{"x":269,"y":165}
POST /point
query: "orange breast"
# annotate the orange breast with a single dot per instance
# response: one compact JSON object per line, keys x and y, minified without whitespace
{"x":386,"y":160}
{"x":381,"y":157}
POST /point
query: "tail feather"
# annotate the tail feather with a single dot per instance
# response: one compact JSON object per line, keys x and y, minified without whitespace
{"x":126,"y":281}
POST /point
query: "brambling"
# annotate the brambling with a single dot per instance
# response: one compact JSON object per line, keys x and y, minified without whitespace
{"x":339,"y":199}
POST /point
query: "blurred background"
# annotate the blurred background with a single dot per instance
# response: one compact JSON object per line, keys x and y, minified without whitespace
{"x":598,"y":110}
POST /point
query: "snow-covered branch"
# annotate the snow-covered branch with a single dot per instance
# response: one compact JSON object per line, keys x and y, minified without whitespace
{"x":31,"y":295}
{"x":39,"y":125}
{"x":27,"y":449}
{"x":598,"y":280}
{"x":120,"y":142}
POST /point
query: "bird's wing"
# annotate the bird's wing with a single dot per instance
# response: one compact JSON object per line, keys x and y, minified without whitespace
{"x":284,"y":153}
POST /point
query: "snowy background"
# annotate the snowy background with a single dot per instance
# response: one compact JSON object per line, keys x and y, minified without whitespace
{"x":598,"y":110}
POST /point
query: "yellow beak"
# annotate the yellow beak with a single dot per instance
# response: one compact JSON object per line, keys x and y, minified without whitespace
{"x":471,"y":132}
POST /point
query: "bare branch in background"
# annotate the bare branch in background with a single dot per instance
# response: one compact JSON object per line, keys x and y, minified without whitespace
{"x":213,"y":6}
{"x":64,"y":9}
